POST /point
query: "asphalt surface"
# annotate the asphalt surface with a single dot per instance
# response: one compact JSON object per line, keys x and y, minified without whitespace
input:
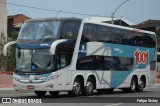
{"x":149,"y":96}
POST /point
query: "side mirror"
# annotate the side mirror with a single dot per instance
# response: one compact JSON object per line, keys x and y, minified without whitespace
{"x":6,"y":47}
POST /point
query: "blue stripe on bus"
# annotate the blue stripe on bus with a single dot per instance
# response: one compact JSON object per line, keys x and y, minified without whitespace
{"x":40,"y":46}
{"x":33,"y":46}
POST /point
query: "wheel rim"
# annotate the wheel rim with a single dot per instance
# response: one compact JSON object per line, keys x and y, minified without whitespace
{"x":133,"y":85}
{"x":76,"y":87}
{"x":141,"y":84}
{"x":89,"y":86}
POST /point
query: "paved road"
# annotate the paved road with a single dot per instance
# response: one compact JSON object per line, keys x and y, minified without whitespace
{"x":116,"y":99}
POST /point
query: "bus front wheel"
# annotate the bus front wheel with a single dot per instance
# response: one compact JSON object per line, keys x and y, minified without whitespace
{"x":40,"y":93}
{"x":76,"y":90}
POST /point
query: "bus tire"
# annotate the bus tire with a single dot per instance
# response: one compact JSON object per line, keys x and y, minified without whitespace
{"x":88,"y":89}
{"x":141,"y":85}
{"x":54,"y":93}
{"x":76,"y":90}
{"x":133,"y":85}
{"x":132,"y":88}
{"x":40,"y":93}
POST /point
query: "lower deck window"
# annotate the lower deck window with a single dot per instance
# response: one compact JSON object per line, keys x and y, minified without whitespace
{"x":105,"y":63}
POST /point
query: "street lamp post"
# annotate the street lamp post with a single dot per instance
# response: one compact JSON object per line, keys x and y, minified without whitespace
{"x":58,"y":13}
{"x":112,"y":15}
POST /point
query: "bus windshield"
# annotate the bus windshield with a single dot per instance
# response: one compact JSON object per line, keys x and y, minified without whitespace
{"x":35,"y":30}
{"x":37,"y":60}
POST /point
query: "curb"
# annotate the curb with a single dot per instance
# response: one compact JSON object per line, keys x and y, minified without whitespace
{"x":6,"y":89}
{"x":156,"y":84}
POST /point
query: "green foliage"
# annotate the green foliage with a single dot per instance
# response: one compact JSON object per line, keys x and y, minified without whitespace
{"x":11,"y":55}
{"x":2,"y":43}
{"x":7,"y":62}
{"x":14,"y":35}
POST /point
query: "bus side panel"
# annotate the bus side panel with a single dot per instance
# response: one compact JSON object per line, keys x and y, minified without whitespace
{"x":102,"y":78}
{"x":141,"y":63}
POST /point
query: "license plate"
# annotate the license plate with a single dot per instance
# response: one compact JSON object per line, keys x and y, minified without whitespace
{"x":30,"y":87}
{"x":25,"y":77}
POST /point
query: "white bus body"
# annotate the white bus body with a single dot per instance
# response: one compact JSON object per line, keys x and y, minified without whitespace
{"x":105,"y":57}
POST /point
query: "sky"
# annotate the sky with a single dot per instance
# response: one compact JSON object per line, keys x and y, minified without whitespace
{"x":135,"y":11}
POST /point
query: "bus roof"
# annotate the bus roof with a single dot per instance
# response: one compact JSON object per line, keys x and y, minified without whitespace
{"x":89,"y":20}
{"x":55,"y":18}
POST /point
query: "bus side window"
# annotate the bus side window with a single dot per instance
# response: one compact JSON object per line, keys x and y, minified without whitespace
{"x":70,"y":30}
{"x":62,"y":60}
{"x":104,"y":33}
{"x":149,"y":41}
{"x":116,"y":35}
{"x":89,"y":33}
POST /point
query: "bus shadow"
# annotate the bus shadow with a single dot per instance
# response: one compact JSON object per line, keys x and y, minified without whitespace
{"x":95,"y":94}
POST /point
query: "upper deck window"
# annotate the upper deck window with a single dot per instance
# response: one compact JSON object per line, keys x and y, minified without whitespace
{"x":107,"y":34}
{"x":70,"y":30}
{"x":39,"y":30}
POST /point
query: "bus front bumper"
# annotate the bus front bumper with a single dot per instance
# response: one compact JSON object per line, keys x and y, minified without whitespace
{"x":45,"y":86}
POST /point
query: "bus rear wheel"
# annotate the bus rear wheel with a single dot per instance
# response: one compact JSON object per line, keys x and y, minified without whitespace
{"x":40,"y":93}
{"x":88,"y":89}
{"x":54,"y":93}
{"x":133,"y":86}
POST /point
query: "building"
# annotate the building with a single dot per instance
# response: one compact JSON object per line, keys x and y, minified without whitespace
{"x":3,"y":20}
{"x":151,"y":25}
{"x":15,"y":22}
{"x":116,"y":21}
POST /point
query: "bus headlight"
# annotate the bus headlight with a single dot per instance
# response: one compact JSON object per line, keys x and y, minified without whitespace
{"x":17,"y":79}
{"x":44,"y":79}
{"x":48,"y":78}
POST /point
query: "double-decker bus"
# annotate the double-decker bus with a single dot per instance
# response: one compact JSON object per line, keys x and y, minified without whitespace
{"x":80,"y":56}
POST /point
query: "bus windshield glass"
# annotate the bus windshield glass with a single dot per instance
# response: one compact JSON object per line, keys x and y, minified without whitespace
{"x":36,"y":30}
{"x":37,"y":60}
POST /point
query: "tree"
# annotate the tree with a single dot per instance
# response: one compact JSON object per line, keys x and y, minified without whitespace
{"x":2,"y":58}
{"x":11,"y":54}
{"x":7,"y":63}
